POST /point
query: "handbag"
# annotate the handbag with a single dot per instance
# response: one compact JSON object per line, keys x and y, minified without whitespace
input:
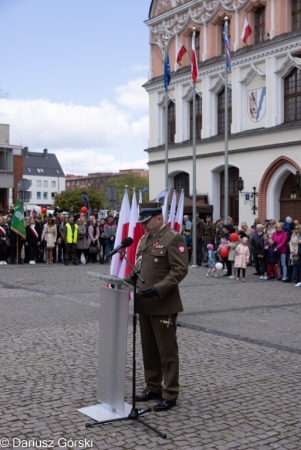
{"x":296,"y":262}
{"x":92,"y":250}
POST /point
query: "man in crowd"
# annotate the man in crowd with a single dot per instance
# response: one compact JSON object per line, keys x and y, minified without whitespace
{"x":162,"y":258}
{"x":257,"y":246}
{"x":110,"y":229}
{"x":70,"y":237}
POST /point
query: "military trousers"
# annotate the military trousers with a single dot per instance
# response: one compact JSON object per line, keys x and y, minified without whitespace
{"x":160,"y":355}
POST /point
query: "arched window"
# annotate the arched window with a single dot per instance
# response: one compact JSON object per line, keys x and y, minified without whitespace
{"x":171,"y":122}
{"x":296,"y":17}
{"x":292,"y":96}
{"x":197,"y":45}
{"x":260,"y":24}
{"x":221,"y":111}
{"x":233,"y":200}
{"x":198,"y":117}
{"x":181,"y":181}
{"x":290,"y":198}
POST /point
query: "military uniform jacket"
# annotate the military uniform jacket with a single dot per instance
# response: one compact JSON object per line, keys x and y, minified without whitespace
{"x":163,"y":263}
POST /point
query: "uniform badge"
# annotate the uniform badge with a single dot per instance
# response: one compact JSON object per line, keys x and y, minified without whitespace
{"x":160,"y":246}
{"x":156,"y":260}
{"x":156,"y":243}
{"x":181,"y":249}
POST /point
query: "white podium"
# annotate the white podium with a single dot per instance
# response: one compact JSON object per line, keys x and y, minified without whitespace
{"x":112,"y":350}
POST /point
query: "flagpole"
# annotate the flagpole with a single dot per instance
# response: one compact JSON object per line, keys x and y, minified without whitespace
{"x":166,"y":131}
{"x":226,"y":200}
{"x":194,"y":261}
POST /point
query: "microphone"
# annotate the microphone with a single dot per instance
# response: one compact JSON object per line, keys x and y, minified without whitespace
{"x":125,"y":243}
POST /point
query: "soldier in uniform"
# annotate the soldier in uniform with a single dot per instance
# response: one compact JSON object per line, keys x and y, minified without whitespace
{"x":208,"y":234}
{"x":162,"y":258}
{"x":199,"y":223}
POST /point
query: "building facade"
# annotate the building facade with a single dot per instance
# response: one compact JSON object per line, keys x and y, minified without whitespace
{"x":264,"y":92}
{"x":11,"y":168}
{"x":46,"y":176}
{"x":98,"y":180}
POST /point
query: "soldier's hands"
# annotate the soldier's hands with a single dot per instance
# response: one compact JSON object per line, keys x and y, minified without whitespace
{"x":149,"y":292}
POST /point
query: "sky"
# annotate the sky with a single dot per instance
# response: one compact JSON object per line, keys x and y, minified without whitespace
{"x":71,"y":77}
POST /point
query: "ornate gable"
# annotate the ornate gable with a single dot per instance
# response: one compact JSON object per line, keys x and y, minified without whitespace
{"x":199,"y":12}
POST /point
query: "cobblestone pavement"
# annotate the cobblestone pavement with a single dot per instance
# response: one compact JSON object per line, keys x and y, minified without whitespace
{"x":240,"y":356}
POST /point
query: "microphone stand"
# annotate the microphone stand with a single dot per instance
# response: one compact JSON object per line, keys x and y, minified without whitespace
{"x":135,"y":413}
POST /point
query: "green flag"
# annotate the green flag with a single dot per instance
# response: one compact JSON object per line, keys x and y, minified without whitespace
{"x":17,"y":224}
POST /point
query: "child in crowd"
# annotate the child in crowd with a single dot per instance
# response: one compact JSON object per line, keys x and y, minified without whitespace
{"x":263,"y":257}
{"x":272,"y":260}
{"x":242,"y":258}
{"x":211,"y":261}
{"x":188,"y":242}
{"x":231,"y":257}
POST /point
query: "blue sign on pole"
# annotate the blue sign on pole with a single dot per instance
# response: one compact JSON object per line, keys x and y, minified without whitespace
{"x":247,"y":196}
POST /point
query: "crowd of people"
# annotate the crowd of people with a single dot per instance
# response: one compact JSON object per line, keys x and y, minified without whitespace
{"x":58,"y":238}
{"x":274,"y":248}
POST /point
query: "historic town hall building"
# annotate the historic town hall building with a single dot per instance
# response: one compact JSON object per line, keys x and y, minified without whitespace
{"x":264,"y":103}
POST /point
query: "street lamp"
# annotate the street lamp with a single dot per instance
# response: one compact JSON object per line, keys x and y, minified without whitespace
{"x":249,"y":196}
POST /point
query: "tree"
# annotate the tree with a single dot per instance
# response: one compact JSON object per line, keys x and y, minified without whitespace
{"x":132,"y":181}
{"x":71,"y":197}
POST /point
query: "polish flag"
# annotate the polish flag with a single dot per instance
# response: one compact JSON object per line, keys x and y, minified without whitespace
{"x":180,"y":214}
{"x":194,"y":61}
{"x":121,"y":233}
{"x":246,"y":31}
{"x":136,"y":231}
{"x":172,"y":212}
{"x":181,"y":52}
{"x":162,"y":198}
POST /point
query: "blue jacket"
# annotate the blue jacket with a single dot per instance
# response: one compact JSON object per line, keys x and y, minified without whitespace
{"x":272,"y":256}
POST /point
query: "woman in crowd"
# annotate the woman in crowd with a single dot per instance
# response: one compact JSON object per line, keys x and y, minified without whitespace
{"x":271,"y":228}
{"x":93,"y":240}
{"x":33,"y":240}
{"x":3,"y":241}
{"x":81,"y":245}
{"x":50,"y":236}
{"x":102,"y":241}
{"x":294,"y":258}
{"x":280,"y":237}
{"x":225,"y":243}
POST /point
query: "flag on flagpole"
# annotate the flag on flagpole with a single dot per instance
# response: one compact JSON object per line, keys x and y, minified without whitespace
{"x":121,"y":233}
{"x":172,"y":212}
{"x":162,"y":198}
{"x":246,"y":32}
{"x":181,"y":52}
{"x":180,"y":213}
{"x":227,"y":47}
{"x":194,"y":61}
{"x":166,"y":72}
{"x":17,"y":224}
{"x":140,"y":197}
{"x":136,"y":231}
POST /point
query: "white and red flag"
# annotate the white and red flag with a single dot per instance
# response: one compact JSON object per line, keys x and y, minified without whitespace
{"x":180,"y":213}
{"x":172,"y":212}
{"x":136,"y":231}
{"x":121,"y":233}
{"x":181,"y":52}
{"x":194,"y":61}
{"x":246,"y":32}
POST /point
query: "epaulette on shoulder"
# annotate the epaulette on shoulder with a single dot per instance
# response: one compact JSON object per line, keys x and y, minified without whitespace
{"x":173,"y":232}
